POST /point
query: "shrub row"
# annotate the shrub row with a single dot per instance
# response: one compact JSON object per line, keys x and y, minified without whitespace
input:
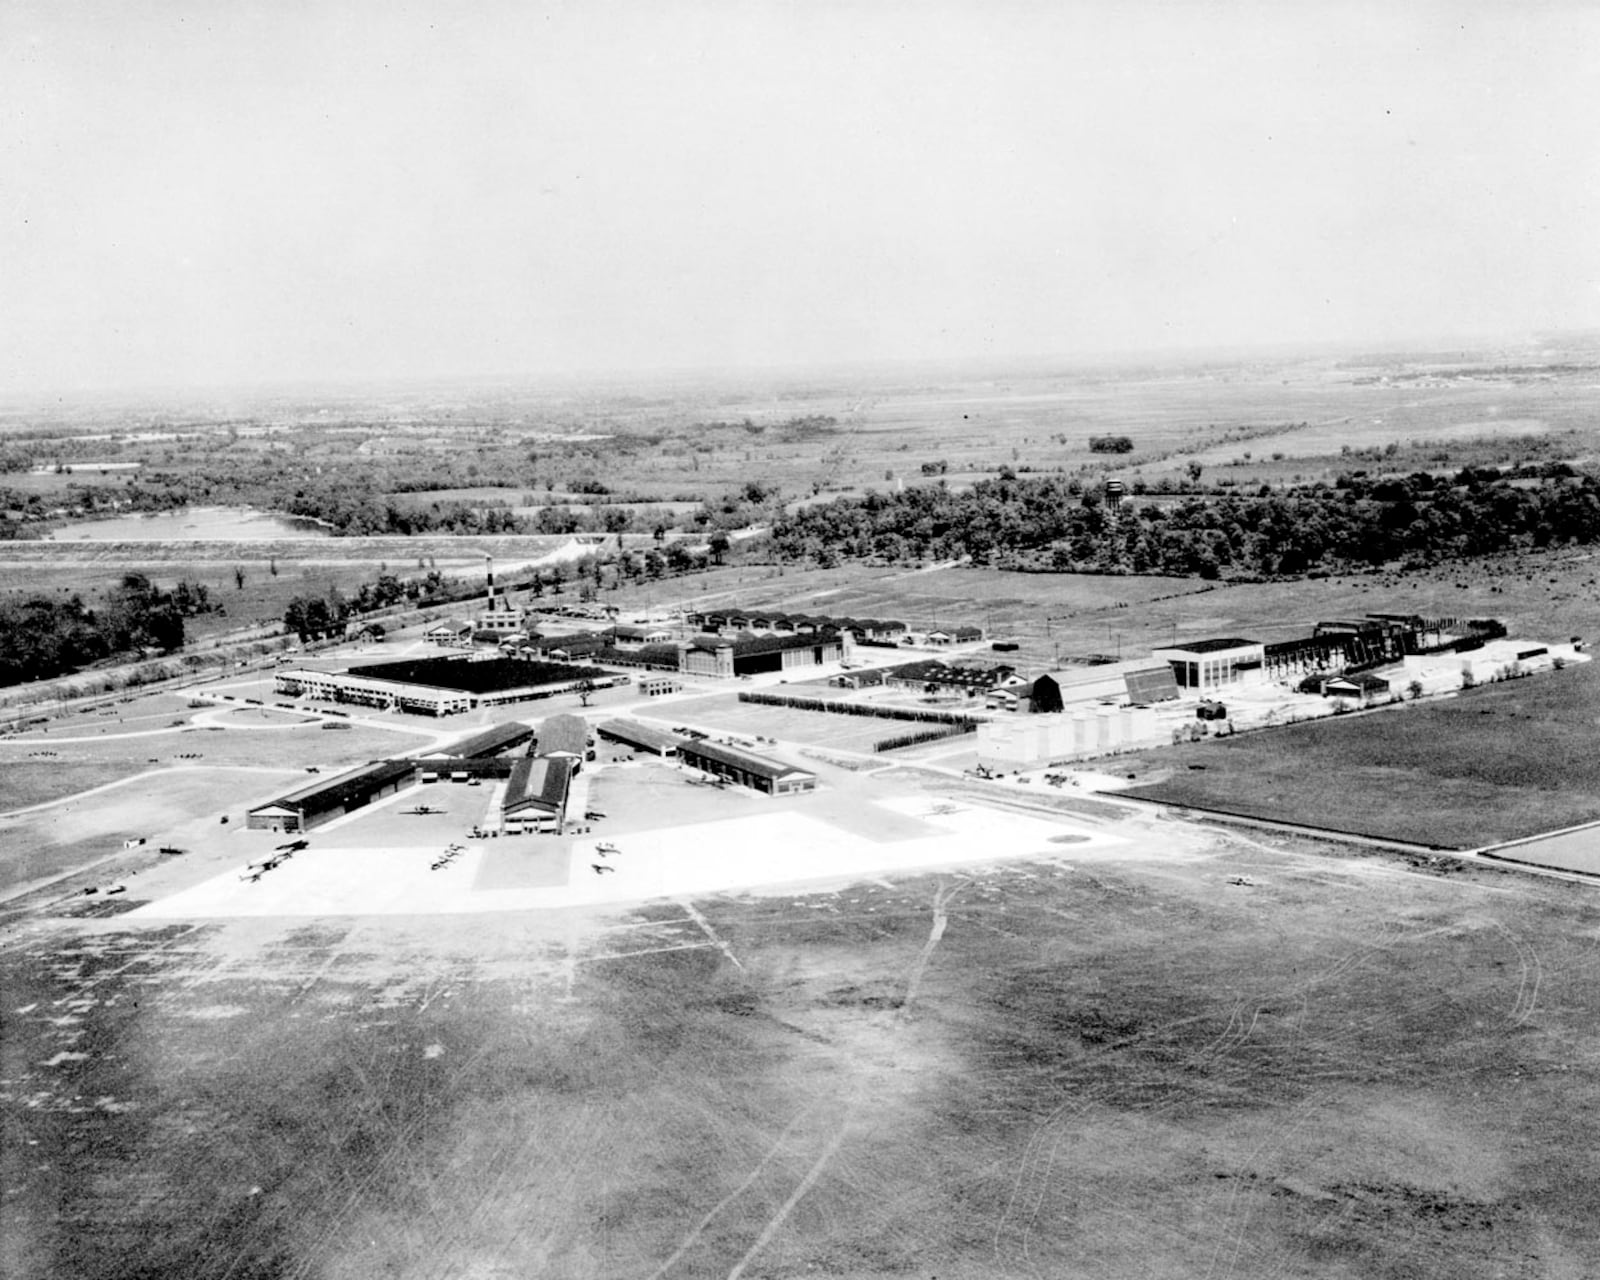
{"x":920,"y":736}
{"x":967,"y":723}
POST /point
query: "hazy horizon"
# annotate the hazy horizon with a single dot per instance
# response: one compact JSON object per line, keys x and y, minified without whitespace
{"x":343,"y":194}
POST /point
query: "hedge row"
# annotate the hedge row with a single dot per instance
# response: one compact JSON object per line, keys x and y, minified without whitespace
{"x":967,"y":723}
{"x":921,"y":736}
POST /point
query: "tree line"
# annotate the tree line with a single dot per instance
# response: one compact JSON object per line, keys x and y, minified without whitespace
{"x":42,"y":636}
{"x":1057,"y":523}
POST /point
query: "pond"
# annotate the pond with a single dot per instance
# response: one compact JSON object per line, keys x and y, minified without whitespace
{"x":194,"y":524}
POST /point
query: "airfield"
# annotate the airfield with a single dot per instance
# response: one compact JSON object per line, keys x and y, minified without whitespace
{"x":913,"y":1023}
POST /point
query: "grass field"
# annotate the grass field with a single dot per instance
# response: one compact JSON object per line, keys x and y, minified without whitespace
{"x":109,"y":754}
{"x":1133,"y":1070}
{"x":1496,"y":763}
{"x":726,"y":714}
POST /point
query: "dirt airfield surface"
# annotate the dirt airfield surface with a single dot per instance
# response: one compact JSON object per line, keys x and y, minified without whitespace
{"x":1108,"y":1060}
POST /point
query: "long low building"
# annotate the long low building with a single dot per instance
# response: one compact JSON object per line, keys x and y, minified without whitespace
{"x":386,"y":695}
{"x":330,"y":798}
{"x":493,"y":741}
{"x":480,"y":755}
{"x":640,"y":737}
{"x":747,"y":769}
{"x":442,"y":686}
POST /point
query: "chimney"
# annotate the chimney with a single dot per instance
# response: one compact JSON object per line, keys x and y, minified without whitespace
{"x":489,"y":564}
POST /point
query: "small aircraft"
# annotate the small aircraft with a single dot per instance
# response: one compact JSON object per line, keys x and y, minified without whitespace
{"x":1244,"y":880}
{"x":600,"y":868}
{"x":422,"y":811}
{"x":294,"y":846}
{"x":605,"y":847}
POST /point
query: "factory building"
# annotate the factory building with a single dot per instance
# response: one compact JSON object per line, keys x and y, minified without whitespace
{"x":747,"y":769}
{"x":1207,"y":667}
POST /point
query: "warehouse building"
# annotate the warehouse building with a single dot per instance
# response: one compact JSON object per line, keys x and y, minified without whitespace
{"x":771,"y":777}
{"x":330,"y":798}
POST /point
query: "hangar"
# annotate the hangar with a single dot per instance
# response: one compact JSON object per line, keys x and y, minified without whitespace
{"x":331,"y":798}
{"x":536,"y":794}
{"x":747,"y":769}
{"x":640,"y":737}
{"x":564,"y":736}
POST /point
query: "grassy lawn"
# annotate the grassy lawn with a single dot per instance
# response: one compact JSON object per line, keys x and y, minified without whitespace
{"x":1496,"y":763}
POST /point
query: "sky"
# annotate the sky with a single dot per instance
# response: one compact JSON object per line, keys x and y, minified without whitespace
{"x":214,"y":194}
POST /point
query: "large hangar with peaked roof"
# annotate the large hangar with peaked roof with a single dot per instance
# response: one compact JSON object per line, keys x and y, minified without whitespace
{"x":759,"y":773}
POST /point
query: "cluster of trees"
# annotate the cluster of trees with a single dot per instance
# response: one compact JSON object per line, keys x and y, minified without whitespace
{"x":1056,"y":523}
{"x":41,"y":636}
{"x":316,"y":617}
{"x":316,"y":614}
{"x":1110,"y":444}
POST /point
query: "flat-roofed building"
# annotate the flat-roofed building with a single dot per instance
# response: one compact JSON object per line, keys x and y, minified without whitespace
{"x":640,"y":737}
{"x":759,"y":773}
{"x":361,"y":691}
{"x":441,"y":686}
{"x":655,"y":685}
{"x":1214,"y":666}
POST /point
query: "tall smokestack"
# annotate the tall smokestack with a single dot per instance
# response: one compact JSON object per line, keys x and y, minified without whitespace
{"x":489,"y":564}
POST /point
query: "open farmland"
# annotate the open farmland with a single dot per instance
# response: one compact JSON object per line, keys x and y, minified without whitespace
{"x":1496,"y":763}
